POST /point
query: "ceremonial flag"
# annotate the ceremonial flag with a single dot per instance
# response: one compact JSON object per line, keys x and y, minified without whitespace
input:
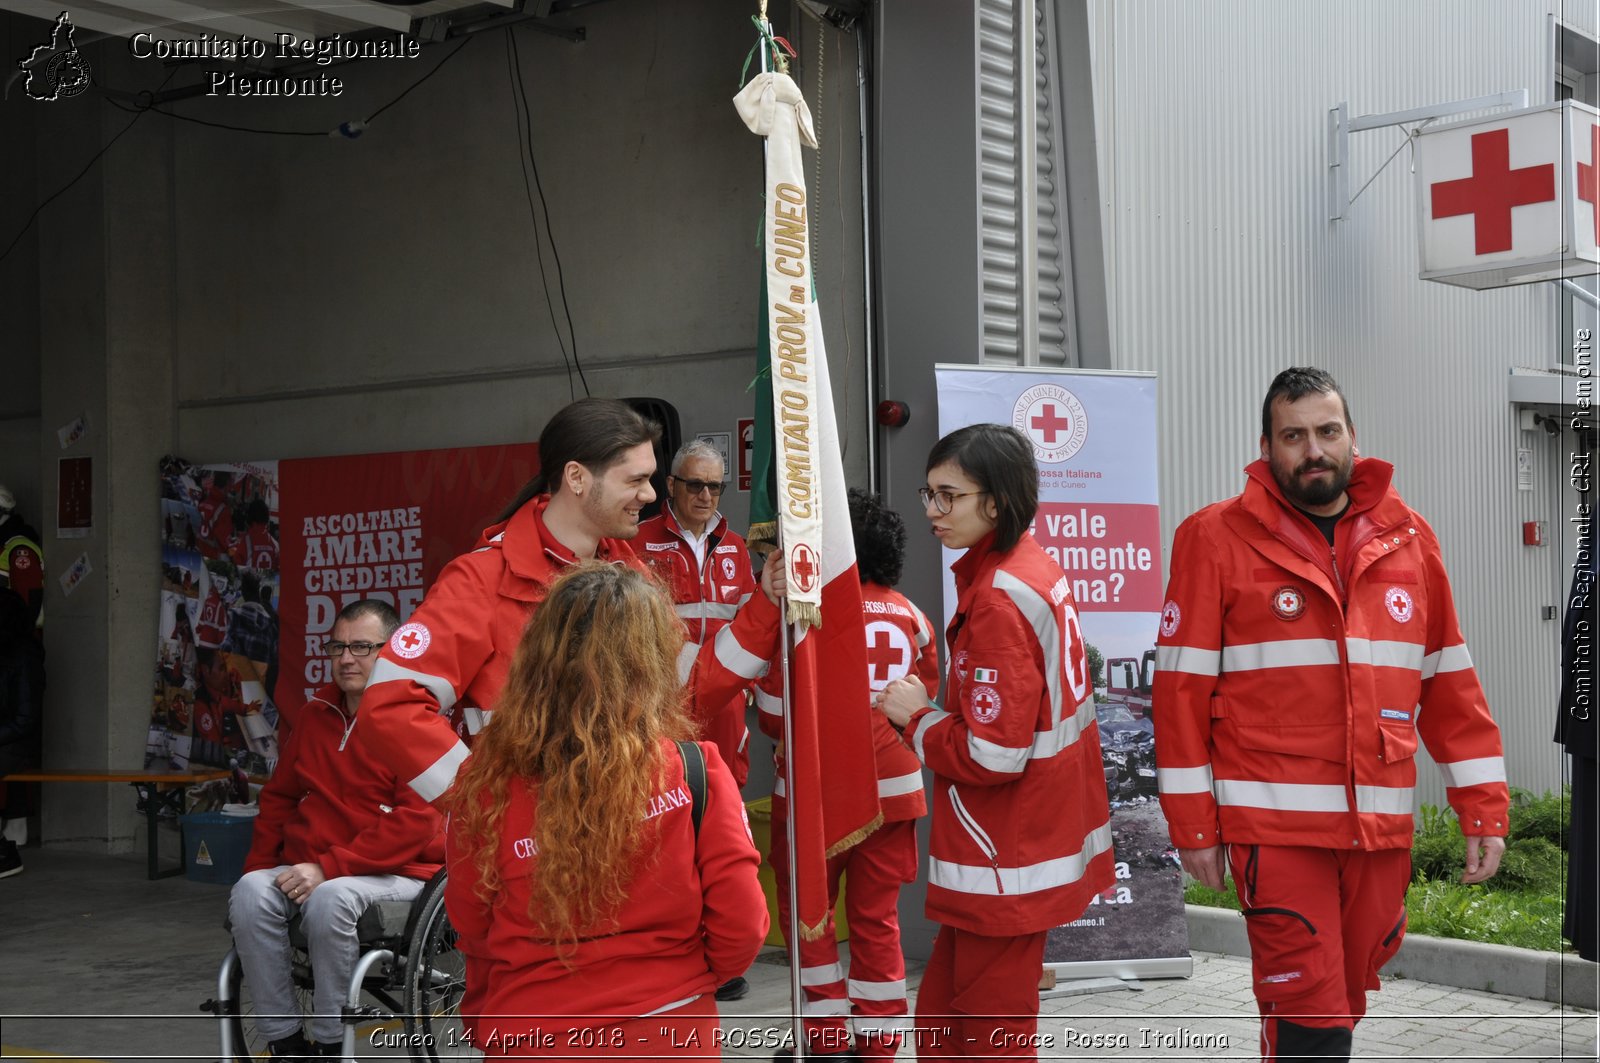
{"x":828,"y":692}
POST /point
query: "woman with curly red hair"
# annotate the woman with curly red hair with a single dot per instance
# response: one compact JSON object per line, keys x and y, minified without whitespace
{"x":596,"y":915}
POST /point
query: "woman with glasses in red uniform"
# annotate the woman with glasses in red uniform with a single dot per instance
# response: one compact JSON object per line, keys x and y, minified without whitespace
{"x":1021,"y":834}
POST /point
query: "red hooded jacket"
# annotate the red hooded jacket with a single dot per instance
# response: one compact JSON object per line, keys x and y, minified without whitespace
{"x":1291,"y":688}
{"x":331,"y":803}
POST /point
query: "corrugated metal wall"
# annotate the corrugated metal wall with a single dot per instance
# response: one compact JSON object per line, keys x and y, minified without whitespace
{"x":999,"y":182}
{"x":1223,"y":268}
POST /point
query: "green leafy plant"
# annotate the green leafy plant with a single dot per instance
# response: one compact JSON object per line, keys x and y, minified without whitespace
{"x":1547,"y":817}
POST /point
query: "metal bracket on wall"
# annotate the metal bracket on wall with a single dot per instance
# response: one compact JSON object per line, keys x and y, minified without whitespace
{"x":1341,"y":125}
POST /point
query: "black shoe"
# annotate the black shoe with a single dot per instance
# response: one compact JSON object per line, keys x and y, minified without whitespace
{"x":11,"y":863}
{"x":732,"y":989}
{"x":294,"y":1047}
{"x":331,"y":1050}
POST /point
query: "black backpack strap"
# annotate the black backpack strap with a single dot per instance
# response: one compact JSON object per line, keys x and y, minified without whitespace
{"x":694,"y":773}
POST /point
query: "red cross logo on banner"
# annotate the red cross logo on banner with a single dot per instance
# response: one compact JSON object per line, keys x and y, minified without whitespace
{"x":883,"y":656}
{"x":805,"y":567}
{"x":1589,"y":178}
{"x":1049,"y":424}
{"x":1492,"y":190}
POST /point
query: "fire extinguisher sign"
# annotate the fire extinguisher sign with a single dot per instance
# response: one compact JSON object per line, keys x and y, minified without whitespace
{"x":747,"y":443}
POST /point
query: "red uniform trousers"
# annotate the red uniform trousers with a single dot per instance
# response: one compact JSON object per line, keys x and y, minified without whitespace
{"x":980,"y":996}
{"x":689,"y":1031}
{"x":1321,"y":924}
{"x":873,"y":1001}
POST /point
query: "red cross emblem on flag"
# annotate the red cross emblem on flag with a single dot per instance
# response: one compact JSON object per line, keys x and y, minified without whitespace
{"x":804,"y":566}
{"x":1398,"y":602}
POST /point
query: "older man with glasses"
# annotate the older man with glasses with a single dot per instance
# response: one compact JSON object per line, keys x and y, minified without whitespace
{"x":706,"y":566}
{"x":337,"y":831}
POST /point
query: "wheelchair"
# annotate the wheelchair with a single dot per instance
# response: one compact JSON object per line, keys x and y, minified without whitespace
{"x":409,"y":967}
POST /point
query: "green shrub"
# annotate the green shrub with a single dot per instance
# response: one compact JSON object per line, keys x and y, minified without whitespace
{"x":1438,"y":849}
{"x":1530,"y":865}
{"x":1546,"y":817}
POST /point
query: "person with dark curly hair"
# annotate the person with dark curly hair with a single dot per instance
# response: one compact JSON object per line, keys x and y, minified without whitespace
{"x":900,"y":643}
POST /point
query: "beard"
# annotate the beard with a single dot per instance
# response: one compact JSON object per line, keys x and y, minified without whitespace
{"x":1320,"y":493}
{"x":606,"y":516}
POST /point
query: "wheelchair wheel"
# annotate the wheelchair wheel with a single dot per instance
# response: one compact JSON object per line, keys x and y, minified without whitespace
{"x":249,"y":1043}
{"x":435,"y":978}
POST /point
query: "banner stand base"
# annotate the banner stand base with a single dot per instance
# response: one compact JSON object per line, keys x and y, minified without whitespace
{"x":1120,"y":971}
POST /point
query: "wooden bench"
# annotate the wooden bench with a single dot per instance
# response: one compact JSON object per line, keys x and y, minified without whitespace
{"x":160,"y":789}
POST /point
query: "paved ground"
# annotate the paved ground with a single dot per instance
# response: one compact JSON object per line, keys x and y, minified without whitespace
{"x":100,"y":964}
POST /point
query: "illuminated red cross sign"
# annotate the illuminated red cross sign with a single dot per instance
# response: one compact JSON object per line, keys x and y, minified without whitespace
{"x":1048,"y":423}
{"x":883,"y":656}
{"x":1492,"y":190}
{"x":1589,"y":178}
{"x":804,"y":567}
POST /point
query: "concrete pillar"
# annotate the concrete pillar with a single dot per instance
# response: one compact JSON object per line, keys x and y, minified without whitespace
{"x":106,"y":345}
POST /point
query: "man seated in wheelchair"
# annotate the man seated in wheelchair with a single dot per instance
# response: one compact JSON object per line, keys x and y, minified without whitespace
{"x":337,"y":831}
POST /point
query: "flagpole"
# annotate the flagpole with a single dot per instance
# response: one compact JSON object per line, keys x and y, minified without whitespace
{"x":792,"y":936}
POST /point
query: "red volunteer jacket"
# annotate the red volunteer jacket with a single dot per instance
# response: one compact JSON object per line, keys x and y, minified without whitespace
{"x":441,"y":672}
{"x":695,"y":917}
{"x":1290,"y":692}
{"x":331,"y":803}
{"x":706,"y":597}
{"x":1021,"y":825}
{"x":899,"y":642}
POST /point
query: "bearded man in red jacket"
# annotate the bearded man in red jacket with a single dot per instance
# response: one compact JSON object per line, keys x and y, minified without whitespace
{"x":1309,"y":639}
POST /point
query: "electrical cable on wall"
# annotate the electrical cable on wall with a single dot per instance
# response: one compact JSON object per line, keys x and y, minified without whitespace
{"x":524,"y":129}
{"x":66,"y":187}
{"x":533,"y":164}
{"x":348,"y":129}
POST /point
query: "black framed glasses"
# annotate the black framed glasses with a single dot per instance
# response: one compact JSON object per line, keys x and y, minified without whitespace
{"x":697,"y":486}
{"x":358,"y":649}
{"x":943,"y":501}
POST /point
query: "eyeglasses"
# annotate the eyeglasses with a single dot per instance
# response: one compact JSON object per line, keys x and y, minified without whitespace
{"x":943,"y":501}
{"x":697,"y":486}
{"x":358,"y":649}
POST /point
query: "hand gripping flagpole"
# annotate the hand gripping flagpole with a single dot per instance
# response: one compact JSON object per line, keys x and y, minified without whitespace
{"x":792,"y":931}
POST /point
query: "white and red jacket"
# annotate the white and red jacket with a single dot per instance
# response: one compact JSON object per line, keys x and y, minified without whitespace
{"x":441,"y":672}
{"x":1021,"y":825}
{"x":331,"y":803}
{"x":899,"y":643}
{"x":706,"y":595}
{"x":1292,"y":681}
{"x":694,"y":917}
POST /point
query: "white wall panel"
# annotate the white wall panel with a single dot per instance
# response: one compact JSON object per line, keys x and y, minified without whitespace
{"x":1223,"y":269}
